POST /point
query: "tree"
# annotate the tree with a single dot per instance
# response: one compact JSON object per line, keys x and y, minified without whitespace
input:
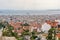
{"x":25,"y":24}
{"x":33,"y":35}
{"x":1,"y":25}
{"x":7,"y":31}
{"x":51,"y":34}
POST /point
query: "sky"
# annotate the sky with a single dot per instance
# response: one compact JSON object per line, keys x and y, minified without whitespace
{"x":30,"y":4}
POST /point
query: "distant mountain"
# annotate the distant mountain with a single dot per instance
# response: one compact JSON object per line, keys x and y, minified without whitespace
{"x":29,"y":12}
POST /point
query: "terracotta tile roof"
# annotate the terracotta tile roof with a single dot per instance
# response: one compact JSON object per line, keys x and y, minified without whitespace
{"x":48,"y":21}
{"x":58,"y":35}
{"x":15,"y":25}
{"x":34,"y":24}
{"x":20,"y":31}
{"x":53,"y":24}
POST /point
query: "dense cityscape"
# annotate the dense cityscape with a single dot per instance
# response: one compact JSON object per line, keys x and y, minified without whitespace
{"x":30,"y":27}
{"x":29,"y":19}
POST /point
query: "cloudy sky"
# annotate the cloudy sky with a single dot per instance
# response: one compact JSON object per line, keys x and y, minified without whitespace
{"x":30,"y":4}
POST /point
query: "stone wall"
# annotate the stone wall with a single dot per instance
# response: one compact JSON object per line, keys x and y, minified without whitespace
{"x":8,"y":38}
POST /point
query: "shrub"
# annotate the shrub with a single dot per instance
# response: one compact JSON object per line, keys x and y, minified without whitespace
{"x":51,"y":32}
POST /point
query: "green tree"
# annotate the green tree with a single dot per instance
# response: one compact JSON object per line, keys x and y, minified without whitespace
{"x":25,"y":24}
{"x":1,"y":25}
{"x":33,"y":35}
{"x":51,"y":34}
{"x":7,"y":31}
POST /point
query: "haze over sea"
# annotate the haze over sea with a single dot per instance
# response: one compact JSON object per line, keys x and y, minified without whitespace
{"x":29,"y":12}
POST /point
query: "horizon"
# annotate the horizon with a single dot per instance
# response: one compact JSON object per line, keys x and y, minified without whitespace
{"x":30,"y":12}
{"x":29,"y":7}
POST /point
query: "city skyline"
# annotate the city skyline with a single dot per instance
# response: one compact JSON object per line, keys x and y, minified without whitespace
{"x":29,"y":7}
{"x":29,"y":12}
